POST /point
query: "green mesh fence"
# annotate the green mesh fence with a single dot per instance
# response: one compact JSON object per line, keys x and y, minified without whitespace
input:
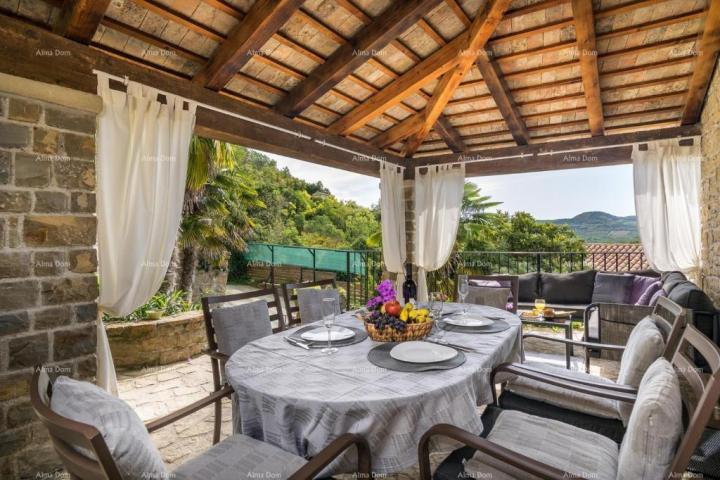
{"x":345,"y":261}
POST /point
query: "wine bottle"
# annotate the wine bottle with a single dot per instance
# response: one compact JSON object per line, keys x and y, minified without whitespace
{"x":409,"y":287}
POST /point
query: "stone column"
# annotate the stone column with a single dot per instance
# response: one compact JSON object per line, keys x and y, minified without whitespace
{"x":48,"y":261}
{"x":710,"y":192}
{"x":409,"y":191}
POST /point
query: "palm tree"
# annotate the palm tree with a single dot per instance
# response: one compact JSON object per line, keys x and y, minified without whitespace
{"x":214,"y":210}
{"x":473,"y":213}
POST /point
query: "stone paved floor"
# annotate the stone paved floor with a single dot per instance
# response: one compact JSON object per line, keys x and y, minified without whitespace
{"x":156,"y":391}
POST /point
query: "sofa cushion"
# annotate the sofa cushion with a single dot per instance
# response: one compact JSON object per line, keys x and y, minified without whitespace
{"x":640,"y":286}
{"x":528,"y":290}
{"x":688,"y":295}
{"x":649,"y":292}
{"x":655,"y":426}
{"x":670,"y":279}
{"x":568,"y":288}
{"x":129,"y":442}
{"x":612,"y":288}
{"x":656,"y":295}
{"x":581,"y":453}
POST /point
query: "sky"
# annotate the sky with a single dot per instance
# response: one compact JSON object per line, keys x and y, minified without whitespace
{"x":545,"y":195}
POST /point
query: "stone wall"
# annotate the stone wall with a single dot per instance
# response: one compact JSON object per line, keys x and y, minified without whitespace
{"x":710,"y":196}
{"x":48,"y":284}
{"x":157,"y":342}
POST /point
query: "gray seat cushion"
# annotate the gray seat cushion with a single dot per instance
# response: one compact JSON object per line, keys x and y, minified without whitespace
{"x":655,"y":426}
{"x":497,"y":297}
{"x":239,"y":456}
{"x":310,"y":302}
{"x":239,"y":325}
{"x":574,"y":288}
{"x":579,"y":452}
{"x":129,"y":442}
{"x":561,"y":397}
{"x":612,"y":288}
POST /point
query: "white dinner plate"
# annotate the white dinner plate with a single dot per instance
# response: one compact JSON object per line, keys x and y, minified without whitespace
{"x":468,"y":321}
{"x":320,"y":334}
{"x":422,"y":352}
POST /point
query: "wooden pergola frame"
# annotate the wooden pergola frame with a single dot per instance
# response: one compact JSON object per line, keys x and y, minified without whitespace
{"x":284,"y":129}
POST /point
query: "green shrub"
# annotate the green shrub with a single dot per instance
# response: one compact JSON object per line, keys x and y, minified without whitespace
{"x":169,"y":304}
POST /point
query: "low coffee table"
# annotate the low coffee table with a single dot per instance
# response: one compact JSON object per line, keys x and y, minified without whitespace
{"x":565,"y":323}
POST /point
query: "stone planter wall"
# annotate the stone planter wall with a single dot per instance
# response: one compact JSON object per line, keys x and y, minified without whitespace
{"x":48,"y":284}
{"x":157,"y":342}
{"x":710,"y":195}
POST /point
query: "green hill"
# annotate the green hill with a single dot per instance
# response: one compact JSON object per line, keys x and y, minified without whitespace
{"x":602,"y":227}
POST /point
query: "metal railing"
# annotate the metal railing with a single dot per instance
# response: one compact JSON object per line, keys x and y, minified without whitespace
{"x":358,"y":271}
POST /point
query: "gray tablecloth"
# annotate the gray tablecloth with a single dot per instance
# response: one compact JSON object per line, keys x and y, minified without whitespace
{"x":301,"y":400}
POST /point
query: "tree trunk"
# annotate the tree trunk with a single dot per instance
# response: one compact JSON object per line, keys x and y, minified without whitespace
{"x":170,"y":282}
{"x":189,"y":265}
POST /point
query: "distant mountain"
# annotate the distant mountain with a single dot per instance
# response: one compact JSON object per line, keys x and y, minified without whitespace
{"x":601,"y":227}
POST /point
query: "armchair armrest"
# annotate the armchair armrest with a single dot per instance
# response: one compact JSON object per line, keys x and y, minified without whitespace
{"x":558,"y":381}
{"x":590,"y":383}
{"x":331,"y":452}
{"x":579,"y":343}
{"x":505,"y":455}
{"x":188,"y":409}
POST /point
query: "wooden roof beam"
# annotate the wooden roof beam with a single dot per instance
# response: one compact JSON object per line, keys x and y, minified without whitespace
{"x":449,"y":134}
{"x":351,"y":55}
{"x":477,"y":36}
{"x":263,"y":19}
{"x":704,"y":65}
{"x":500,"y":92}
{"x":79,"y":19}
{"x":587,"y":51}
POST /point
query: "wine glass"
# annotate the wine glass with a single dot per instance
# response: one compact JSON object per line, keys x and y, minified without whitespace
{"x":436,"y":304}
{"x":329,"y":308}
{"x":463,"y":290}
{"x":540,"y":306}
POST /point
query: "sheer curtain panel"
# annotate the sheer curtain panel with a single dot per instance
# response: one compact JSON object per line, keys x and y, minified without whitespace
{"x":392,"y":219}
{"x":142,"y":158}
{"x":438,"y":200}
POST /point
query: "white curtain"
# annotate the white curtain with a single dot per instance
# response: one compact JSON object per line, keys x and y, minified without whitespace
{"x":667,"y":203}
{"x":392,"y":219}
{"x":142,"y":157}
{"x":438,"y":200}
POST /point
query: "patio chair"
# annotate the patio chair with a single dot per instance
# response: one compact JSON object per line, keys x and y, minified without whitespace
{"x":230,"y":328}
{"x":98,"y":436}
{"x":527,"y":391}
{"x":665,"y":427}
{"x":499,"y":291}
{"x":303,"y":307}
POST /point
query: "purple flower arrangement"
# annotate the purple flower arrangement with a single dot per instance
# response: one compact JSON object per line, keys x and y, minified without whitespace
{"x":384,"y":292}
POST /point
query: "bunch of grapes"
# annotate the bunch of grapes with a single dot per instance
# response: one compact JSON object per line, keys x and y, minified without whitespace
{"x":389,"y":321}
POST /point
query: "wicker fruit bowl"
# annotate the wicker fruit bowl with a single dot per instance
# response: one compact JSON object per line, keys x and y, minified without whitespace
{"x":413,"y":331}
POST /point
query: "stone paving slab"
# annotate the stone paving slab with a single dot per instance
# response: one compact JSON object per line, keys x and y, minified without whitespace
{"x":157,"y":391}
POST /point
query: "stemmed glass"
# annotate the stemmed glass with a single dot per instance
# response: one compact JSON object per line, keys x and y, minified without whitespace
{"x":463,"y":290}
{"x":437,"y":300}
{"x":329,"y":309}
{"x":540,"y":306}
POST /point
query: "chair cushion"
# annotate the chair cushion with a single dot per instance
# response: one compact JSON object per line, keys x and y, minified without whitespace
{"x":655,"y":426}
{"x":640,"y":285}
{"x":528,"y":287}
{"x":239,"y":325}
{"x":568,"y":288}
{"x":125,"y":434}
{"x":239,"y":456}
{"x":649,"y":293}
{"x":310,"y":302}
{"x":612,"y":288}
{"x":497,"y":297}
{"x":561,"y":397}
{"x":579,"y":452}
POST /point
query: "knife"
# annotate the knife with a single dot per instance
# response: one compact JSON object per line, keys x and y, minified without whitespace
{"x":297,"y":343}
{"x":452,"y":345}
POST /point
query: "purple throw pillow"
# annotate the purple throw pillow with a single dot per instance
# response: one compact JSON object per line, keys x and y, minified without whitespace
{"x":639,"y":286}
{"x":656,"y":296}
{"x":647,"y":295}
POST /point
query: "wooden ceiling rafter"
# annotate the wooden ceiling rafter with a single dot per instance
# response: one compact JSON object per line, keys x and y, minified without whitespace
{"x":707,"y":55}
{"x":587,"y":52}
{"x":477,"y":36}
{"x":80,"y":19}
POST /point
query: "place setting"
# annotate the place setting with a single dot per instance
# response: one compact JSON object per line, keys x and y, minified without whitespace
{"x":325,"y":335}
{"x":460,"y":319}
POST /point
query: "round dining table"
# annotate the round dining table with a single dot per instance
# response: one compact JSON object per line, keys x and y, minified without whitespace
{"x":300,"y":400}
